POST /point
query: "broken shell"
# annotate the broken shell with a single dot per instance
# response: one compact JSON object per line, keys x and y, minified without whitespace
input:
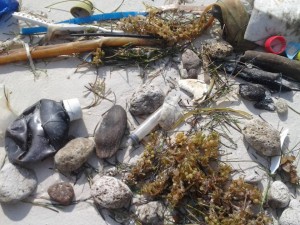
{"x":194,"y":87}
{"x":109,"y":135}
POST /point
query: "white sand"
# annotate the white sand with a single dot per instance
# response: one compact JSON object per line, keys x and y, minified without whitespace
{"x":62,"y":83}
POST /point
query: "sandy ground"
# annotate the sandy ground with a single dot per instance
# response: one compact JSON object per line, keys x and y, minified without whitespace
{"x":61,"y":82}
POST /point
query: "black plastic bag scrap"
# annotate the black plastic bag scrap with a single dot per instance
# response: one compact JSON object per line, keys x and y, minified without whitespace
{"x":234,"y":19}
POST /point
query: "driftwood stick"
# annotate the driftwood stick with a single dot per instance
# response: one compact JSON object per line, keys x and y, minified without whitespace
{"x":273,"y":63}
{"x":49,"y":51}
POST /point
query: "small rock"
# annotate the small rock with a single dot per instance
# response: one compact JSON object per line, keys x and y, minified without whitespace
{"x":109,"y":135}
{"x":278,"y":195}
{"x":151,"y":213}
{"x":16,"y":183}
{"x":217,"y":49}
{"x":190,"y":62}
{"x":146,"y":100}
{"x":109,"y":192}
{"x":262,"y":137}
{"x":290,"y":216}
{"x":74,"y":154}
{"x":252,"y":92}
{"x":281,"y":106}
{"x":62,"y":193}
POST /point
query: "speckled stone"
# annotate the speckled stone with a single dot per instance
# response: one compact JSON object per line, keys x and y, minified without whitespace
{"x":146,"y":100}
{"x":217,"y":49}
{"x":281,"y":106}
{"x":278,"y":195}
{"x":262,"y":137}
{"x":150,"y":213}
{"x":74,"y":154}
{"x":62,"y":193}
{"x":16,"y":183}
{"x":110,"y":192}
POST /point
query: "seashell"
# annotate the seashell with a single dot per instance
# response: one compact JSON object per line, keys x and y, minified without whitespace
{"x":109,"y":135}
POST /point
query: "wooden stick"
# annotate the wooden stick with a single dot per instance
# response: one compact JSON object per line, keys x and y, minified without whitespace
{"x":273,"y":63}
{"x":49,"y":51}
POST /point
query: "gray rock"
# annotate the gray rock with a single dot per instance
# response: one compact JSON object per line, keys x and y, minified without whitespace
{"x":146,"y":100}
{"x":278,"y":195}
{"x":62,"y":193}
{"x":151,"y":213}
{"x":290,"y":216}
{"x":111,"y":131}
{"x":216,"y":49}
{"x":16,"y":183}
{"x":109,"y":192}
{"x":281,"y":106}
{"x":190,"y":62}
{"x":262,"y":137}
{"x":74,"y":154}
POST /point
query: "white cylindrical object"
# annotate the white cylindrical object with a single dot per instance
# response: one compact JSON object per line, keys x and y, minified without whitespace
{"x":73,"y":108}
{"x":146,"y":127}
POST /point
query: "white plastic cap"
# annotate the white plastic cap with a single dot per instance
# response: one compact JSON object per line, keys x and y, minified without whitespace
{"x":72,"y":106}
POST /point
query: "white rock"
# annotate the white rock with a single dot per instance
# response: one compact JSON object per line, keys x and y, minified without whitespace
{"x":281,"y":106}
{"x":195,"y":87}
{"x":278,"y":195}
{"x":151,"y":213}
{"x":262,"y":137}
{"x":290,"y":216}
{"x":109,"y":192}
{"x":74,"y":154}
{"x":16,"y":183}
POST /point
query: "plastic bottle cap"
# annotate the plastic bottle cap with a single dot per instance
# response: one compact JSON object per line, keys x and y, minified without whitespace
{"x":73,"y":108}
{"x":298,"y":56}
{"x":82,"y":9}
{"x":275,"y":44}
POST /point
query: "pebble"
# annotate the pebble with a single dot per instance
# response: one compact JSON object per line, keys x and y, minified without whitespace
{"x":252,"y":92}
{"x":62,"y":193}
{"x":262,"y":137}
{"x":278,"y":195}
{"x":146,"y":100}
{"x":281,"y":106}
{"x":74,"y":154}
{"x":110,"y":192}
{"x":217,"y":49}
{"x":109,"y":135}
{"x":190,"y":62}
{"x":150,"y":213}
{"x":290,"y":216}
{"x":16,"y":183}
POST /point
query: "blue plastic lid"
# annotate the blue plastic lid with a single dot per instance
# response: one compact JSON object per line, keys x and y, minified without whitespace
{"x":8,"y":6}
{"x":292,"y":49}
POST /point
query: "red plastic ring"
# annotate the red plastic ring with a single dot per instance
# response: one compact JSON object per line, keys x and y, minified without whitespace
{"x":275,"y":44}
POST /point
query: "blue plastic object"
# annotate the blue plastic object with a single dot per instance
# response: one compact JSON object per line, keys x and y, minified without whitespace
{"x":8,"y":6}
{"x":85,"y":20}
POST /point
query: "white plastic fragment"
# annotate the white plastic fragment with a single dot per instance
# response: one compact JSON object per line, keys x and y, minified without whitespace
{"x":195,"y":87}
{"x":275,"y":160}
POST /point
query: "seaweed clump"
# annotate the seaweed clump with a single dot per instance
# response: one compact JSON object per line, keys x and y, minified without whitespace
{"x":173,"y":26}
{"x":188,"y":176}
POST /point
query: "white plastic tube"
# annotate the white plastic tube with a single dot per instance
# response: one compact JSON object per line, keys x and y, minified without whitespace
{"x":146,"y":127}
